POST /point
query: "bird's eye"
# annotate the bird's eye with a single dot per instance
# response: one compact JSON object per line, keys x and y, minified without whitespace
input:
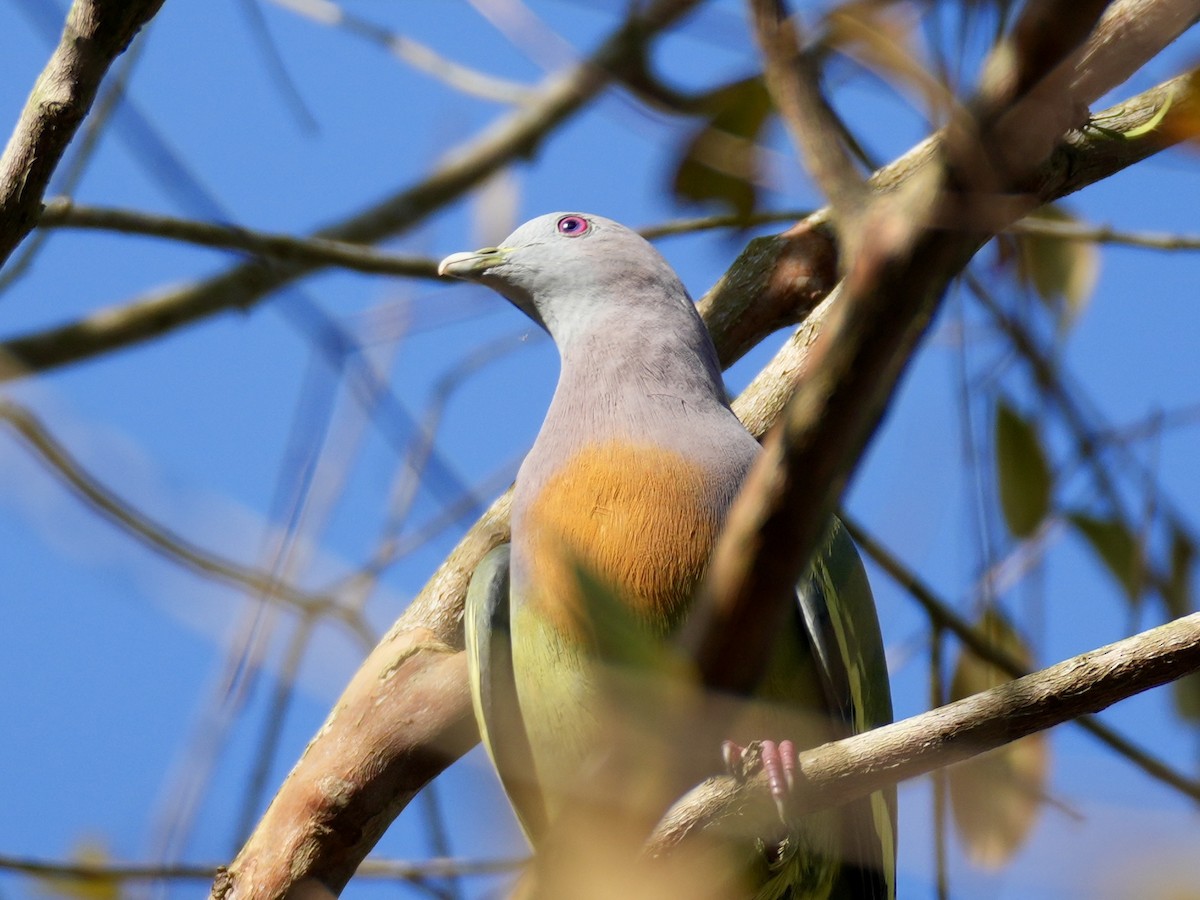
{"x":573,"y":226}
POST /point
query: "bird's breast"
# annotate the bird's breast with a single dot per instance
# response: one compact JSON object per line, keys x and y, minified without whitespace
{"x":641,"y":519}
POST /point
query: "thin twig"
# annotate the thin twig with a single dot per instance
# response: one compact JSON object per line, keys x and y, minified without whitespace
{"x":413,"y":53}
{"x":461,"y":168}
{"x":943,"y":616}
{"x":159,"y":537}
{"x":1105,"y":234}
{"x":381,"y":869}
{"x":62,"y":212}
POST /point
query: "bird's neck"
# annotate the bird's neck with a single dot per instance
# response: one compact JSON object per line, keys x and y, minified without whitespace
{"x":641,"y":368}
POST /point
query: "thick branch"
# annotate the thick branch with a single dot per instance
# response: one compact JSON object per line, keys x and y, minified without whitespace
{"x":96,"y":33}
{"x":839,"y":772}
{"x":913,"y":241}
{"x":360,"y":770}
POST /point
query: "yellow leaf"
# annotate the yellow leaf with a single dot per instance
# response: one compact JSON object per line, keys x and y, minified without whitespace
{"x":89,"y":852}
{"x":996,"y":797}
{"x":1061,"y":271}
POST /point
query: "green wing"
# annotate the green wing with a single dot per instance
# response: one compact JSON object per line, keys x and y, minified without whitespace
{"x":493,"y":689}
{"x":838,"y":612}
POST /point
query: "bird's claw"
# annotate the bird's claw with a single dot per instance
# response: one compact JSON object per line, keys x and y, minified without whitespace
{"x":778,"y":761}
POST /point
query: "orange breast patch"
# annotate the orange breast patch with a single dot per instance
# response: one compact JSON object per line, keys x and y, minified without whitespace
{"x":642,"y":519}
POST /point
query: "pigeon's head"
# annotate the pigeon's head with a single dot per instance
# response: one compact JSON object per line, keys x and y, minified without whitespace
{"x":570,"y":271}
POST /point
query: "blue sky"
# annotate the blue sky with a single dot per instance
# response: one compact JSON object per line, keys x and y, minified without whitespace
{"x":111,"y":657}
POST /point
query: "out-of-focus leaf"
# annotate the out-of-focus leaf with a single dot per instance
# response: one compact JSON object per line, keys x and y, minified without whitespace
{"x":996,"y":797}
{"x":1186,"y":692}
{"x":87,"y":852}
{"x":1062,"y":272}
{"x":1022,"y":472}
{"x":1178,"y":599}
{"x":1178,"y":595}
{"x":1182,"y":120}
{"x":720,"y":162}
{"x":617,"y":636}
{"x":1116,"y":547}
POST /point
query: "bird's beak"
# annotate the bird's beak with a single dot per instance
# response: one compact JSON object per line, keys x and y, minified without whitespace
{"x":471,"y":264}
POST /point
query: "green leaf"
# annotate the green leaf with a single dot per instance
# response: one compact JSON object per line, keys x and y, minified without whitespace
{"x":617,"y":635}
{"x":1062,"y":272}
{"x":1022,"y":472}
{"x":1186,"y":693}
{"x":996,"y":797}
{"x":1178,"y":593}
{"x":1178,"y":599}
{"x":720,"y":161}
{"x":1117,"y":548}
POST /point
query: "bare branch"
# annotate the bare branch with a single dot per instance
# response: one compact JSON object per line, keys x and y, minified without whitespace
{"x":1129,"y":33}
{"x":377,"y":749}
{"x":460,"y":169}
{"x":1105,"y":234}
{"x":420,"y":57}
{"x":159,"y":537}
{"x":794,"y":83}
{"x":96,"y":33}
{"x":62,"y":212}
{"x":845,"y":770}
{"x":380,"y":869}
{"x":943,"y":616}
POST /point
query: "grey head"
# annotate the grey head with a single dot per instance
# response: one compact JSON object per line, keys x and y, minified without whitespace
{"x":573,"y":273}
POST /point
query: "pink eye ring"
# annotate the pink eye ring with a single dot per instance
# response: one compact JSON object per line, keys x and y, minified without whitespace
{"x":573,"y":226}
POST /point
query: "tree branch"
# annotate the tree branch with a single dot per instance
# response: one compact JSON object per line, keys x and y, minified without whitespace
{"x":62,"y":212}
{"x":910,"y":243}
{"x":793,"y":80}
{"x":462,"y":168}
{"x":162,"y":539}
{"x":1083,"y":158}
{"x":96,"y":33}
{"x":842,"y":771}
{"x":379,"y":869}
{"x":369,"y":728}
{"x":943,"y":616}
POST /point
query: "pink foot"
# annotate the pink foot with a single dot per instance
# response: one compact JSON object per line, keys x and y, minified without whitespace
{"x":777,"y":760}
